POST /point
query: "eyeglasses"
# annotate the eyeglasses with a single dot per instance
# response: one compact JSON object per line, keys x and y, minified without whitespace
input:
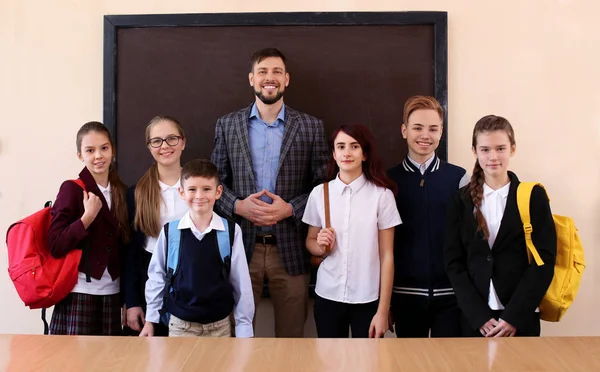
{"x":171,"y":141}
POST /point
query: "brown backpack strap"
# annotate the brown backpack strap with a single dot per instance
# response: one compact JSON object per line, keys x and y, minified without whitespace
{"x":326,"y":198}
{"x":316,"y":260}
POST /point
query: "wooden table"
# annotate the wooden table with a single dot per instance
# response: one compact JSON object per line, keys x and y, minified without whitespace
{"x":70,"y":353}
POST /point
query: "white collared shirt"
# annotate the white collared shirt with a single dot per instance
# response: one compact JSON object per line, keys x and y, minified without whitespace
{"x":422,"y":166}
{"x":351,"y":272}
{"x":239,"y":276}
{"x":106,"y":193}
{"x":492,"y":208}
{"x":171,"y":209}
{"x":105,"y":286}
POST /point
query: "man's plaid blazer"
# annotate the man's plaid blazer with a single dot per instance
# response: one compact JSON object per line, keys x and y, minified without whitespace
{"x":302,"y":163}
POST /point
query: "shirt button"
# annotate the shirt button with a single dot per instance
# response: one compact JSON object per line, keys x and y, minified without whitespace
{"x":108,"y":249}
{"x":489,"y":257}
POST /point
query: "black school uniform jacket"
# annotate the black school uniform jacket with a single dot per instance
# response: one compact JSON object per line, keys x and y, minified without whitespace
{"x":470,"y":263}
{"x":136,"y":261}
{"x":422,"y":201}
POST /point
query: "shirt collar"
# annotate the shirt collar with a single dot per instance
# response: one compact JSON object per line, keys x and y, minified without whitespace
{"x":165,"y":187}
{"x":502,"y":192}
{"x":411,"y":165}
{"x":102,"y":189}
{"x":418,"y":165}
{"x":354,"y":186}
{"x":216,"y":223}
{"x":255,"y":114}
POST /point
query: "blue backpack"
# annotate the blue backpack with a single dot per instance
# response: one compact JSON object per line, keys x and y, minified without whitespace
{"x":174,"y":243}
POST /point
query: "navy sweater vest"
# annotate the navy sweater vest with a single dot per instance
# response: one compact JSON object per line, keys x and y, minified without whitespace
{"x":200,"y":293}
{"x":418,"y":241}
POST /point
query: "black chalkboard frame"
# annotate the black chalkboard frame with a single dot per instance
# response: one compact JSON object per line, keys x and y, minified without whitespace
{"x":437,"y":19}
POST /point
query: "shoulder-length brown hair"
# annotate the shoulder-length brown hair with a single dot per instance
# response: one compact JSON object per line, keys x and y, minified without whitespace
{"x":372,"y":166}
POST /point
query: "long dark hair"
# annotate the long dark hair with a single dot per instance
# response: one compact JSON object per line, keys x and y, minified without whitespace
{"x":372,"y":166}
{"x":118,"y":190}
{"x":487,"y":123}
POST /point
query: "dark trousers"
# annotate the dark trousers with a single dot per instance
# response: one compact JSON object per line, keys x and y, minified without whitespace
{"x":335,"y":319}
{"x":420,"y":317}
{"x":160,"y":330}
{"x":531,"y":328}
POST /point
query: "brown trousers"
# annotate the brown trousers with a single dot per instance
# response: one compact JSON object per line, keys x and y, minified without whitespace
{"x":289,"y":294}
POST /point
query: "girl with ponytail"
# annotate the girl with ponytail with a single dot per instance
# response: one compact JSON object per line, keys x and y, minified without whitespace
{"x":497,"y":288}
{"x":93,"y":219}
{"x":152,"y":202}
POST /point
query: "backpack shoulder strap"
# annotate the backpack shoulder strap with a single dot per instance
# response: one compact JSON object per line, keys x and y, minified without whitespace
{"x":172,"y":248}
{"x":523,"y":202}
{"x":173,"y":238}
{"x":225,"y":238}
{"x":79,"y":182}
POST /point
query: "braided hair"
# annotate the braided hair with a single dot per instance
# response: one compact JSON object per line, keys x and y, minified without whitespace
{"x":487,"y":123}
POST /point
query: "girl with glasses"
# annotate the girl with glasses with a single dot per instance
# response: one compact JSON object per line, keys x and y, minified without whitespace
{"x":152,"y":202}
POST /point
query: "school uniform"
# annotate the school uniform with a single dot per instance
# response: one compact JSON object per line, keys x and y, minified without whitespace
{"x":423,"y":301}
{"x":202,"y":298}
{"x":348,"y":280}
{"x":139,"y":251}
{"x":93,"y":307}
{"x":493,"y":278}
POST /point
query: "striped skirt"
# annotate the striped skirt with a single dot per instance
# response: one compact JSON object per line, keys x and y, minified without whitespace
{"x":84,"y":314}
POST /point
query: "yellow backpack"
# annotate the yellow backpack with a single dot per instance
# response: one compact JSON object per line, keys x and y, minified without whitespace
{"x":570,"y":261}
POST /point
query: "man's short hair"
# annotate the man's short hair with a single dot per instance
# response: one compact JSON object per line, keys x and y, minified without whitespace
{"x":415,"y":103}
{"x":199,"y":168}
{"x":259,"y":56}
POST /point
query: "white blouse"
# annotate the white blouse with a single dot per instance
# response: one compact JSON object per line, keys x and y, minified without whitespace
{"x":492,"y":208}
{"x":351,"y":272}
{"x":172,"y":208}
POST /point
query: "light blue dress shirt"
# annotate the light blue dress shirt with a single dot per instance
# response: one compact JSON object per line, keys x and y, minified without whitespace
{"x":265,"y":147}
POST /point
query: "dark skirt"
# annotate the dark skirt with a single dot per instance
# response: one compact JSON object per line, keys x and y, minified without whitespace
{"x":85,"y":314}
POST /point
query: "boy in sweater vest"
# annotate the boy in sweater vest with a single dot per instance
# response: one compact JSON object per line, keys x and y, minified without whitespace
{"x":202,"y":294}
{"x":423,"y":301}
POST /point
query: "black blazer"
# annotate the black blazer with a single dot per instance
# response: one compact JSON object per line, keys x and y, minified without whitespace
{"x":470,"y":263}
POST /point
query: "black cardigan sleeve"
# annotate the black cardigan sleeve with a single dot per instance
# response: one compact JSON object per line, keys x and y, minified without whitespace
{"x":132,"y":285}
{"x":473,"y":305}
{"x":536,"y":279}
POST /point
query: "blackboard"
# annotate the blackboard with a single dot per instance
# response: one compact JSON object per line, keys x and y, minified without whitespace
{"x":344,"y":68}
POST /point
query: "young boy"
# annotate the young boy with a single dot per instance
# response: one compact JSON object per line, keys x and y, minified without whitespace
{"x":203,"y":295}
{"x":423,"y":301}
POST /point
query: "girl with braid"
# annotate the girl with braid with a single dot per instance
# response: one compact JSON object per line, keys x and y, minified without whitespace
{"x":485,"y":254}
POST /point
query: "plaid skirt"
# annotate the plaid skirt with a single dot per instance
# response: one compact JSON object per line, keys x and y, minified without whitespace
{"x":85,"y":314}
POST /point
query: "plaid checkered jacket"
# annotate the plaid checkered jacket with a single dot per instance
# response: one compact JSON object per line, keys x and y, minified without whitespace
{"x":302,"y":163}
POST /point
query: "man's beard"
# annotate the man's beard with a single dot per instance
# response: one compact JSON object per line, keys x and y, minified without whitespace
{"x":268,"y":101}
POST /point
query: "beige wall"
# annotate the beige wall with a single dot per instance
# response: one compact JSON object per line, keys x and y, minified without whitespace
{"x":536,"y":66}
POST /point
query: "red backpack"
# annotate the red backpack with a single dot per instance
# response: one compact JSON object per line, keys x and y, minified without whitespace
{"x":40,"y":279}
